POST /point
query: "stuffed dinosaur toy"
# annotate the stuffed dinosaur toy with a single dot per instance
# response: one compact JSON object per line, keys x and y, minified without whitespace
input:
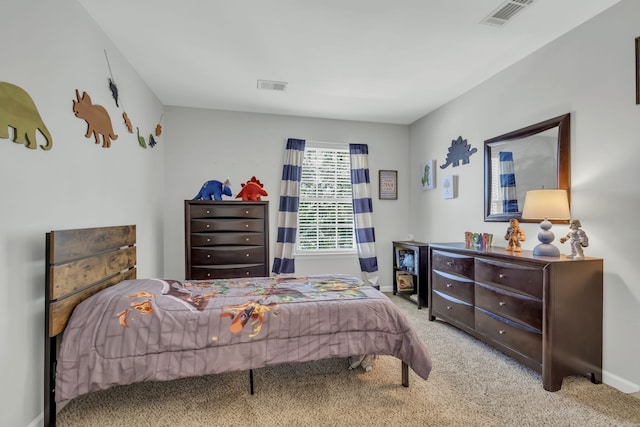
{"x":214,"y":190}
{"x":252,"y":190}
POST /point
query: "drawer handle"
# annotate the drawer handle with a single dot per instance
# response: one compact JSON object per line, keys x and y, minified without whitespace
{"x":246,"y":226}
{"x":502,"y":276}
{"x":207,"y":225}
{"x":449,"y":285}
{"x":502,"y":332}
{"x":502,"y":303}
{"x":450,"y":263}
{"x":247,"y":212}
{"x":247,"y":273}
{"x":246,"y":254}
{"x":247,"y":239}
{"x":208,"y":211}
{"x":208,"y":240}
{"x":449,"y":307}
{"x":208,"y":256}
{"x":208,"y":274}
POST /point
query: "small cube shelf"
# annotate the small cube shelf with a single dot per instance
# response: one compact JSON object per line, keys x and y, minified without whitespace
{"x":410,"y":268}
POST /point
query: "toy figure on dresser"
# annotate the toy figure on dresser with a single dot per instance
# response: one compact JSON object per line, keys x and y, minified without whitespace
{"x":515,"y":235}
{"x":214,"y":188}
{"x":577,"y":239}
{"x":252,"y":190}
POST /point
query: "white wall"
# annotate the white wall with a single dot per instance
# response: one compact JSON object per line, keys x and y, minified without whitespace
{"x":50,"y":49}
{"x":209,"y":144}
{"x":590,"y":72}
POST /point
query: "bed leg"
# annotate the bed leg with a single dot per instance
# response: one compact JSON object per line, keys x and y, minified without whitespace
{"x":251,"y":380}
{"x":50,"y":350}
{"x":405,"y":374}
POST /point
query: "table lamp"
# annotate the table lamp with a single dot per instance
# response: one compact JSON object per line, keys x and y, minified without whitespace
{"x":546,"y":205}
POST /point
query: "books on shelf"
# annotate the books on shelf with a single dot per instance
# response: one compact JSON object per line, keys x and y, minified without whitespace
{"x":405,"y":259}
{"x":404,"y":282}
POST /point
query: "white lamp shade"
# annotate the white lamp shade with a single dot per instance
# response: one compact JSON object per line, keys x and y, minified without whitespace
{"x":546,"y":204}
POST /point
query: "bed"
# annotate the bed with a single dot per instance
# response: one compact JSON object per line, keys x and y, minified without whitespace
{"x":118,"y":329}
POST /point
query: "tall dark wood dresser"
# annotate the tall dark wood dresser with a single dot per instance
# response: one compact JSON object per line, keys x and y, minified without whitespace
{"x":545,"y":312}
{"x":226,"y":239}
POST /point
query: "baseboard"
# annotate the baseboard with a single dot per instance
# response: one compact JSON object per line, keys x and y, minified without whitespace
{"x":38,"y":421}
{"x":619,"y":383}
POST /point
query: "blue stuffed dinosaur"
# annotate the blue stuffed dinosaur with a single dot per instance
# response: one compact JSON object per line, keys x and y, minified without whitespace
{"x":214,"y":188}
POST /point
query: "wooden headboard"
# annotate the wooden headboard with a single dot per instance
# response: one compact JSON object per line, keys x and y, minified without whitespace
{"x":80,"y":263}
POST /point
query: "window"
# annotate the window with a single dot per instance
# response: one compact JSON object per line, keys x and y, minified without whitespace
{"x":325,"y":213}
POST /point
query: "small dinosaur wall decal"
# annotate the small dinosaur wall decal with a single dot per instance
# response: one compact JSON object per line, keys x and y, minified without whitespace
{"x":141,"y":140}
{"x":114,"y":91}
{"x":127,"y":122}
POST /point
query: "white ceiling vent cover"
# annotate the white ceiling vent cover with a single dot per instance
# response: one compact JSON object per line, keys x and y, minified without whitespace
{"x":505,"y":12}
{"x":271,"y":85}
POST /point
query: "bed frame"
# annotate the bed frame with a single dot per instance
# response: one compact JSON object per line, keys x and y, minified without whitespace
{"x":80,"y":263}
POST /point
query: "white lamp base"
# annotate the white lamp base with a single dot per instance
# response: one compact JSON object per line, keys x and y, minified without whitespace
{"x":545,"y":236}
{"x":546,"y":249}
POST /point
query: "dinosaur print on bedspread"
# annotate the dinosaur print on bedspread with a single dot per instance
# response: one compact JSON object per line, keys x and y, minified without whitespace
{"x":195,"y":296}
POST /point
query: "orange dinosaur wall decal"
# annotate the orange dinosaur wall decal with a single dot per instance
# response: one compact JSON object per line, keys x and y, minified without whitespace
{"x":127,"y":122}
{"x":97,"y":118}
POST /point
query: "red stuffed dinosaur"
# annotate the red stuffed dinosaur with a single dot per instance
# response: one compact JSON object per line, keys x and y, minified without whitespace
{"x":252,"y":190}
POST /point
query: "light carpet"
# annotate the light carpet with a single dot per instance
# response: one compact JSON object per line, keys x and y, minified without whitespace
{"x":471,"y":384}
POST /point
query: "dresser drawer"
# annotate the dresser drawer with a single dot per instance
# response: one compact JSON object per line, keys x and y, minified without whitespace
{"x":455,"y":286}
{"x":514,"y":306}
{"x":228,"y":271}
{"x":452,"y":308}
{"x":203,"y":225}
{"x":224,"y":238}
{"x":227,"y":255}
{"x":521,"y":278}
{"x":452,"y":263}
{"x":226,"y":211}
{"x":517,"y":337}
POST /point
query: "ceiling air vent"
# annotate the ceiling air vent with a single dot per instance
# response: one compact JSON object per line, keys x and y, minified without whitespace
{"x":271,"y":85}
{"x":505,"y":12}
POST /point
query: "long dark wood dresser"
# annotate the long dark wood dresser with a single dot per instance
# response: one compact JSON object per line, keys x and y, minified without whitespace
{"x":545,"y":312}
{"x":225,"y":239}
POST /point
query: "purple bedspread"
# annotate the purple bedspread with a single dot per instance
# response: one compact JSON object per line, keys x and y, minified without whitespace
{"x":152,"y":329}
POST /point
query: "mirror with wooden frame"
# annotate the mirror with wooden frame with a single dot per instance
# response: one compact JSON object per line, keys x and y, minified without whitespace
{"x":530,"y":158}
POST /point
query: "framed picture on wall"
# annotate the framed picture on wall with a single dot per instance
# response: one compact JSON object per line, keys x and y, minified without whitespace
{"x":388,"y":181}
{"x":637,"y":70}
{"x":428,"y":175}
{"x":449,"y":190}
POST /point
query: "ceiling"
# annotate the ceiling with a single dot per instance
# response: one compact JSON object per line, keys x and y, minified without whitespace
{"x":387,"y":61}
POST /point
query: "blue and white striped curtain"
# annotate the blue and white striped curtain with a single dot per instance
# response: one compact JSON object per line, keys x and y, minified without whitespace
{"x":508,"y":183}
{"x":283,"y":262}
{"x":362,"y":212}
